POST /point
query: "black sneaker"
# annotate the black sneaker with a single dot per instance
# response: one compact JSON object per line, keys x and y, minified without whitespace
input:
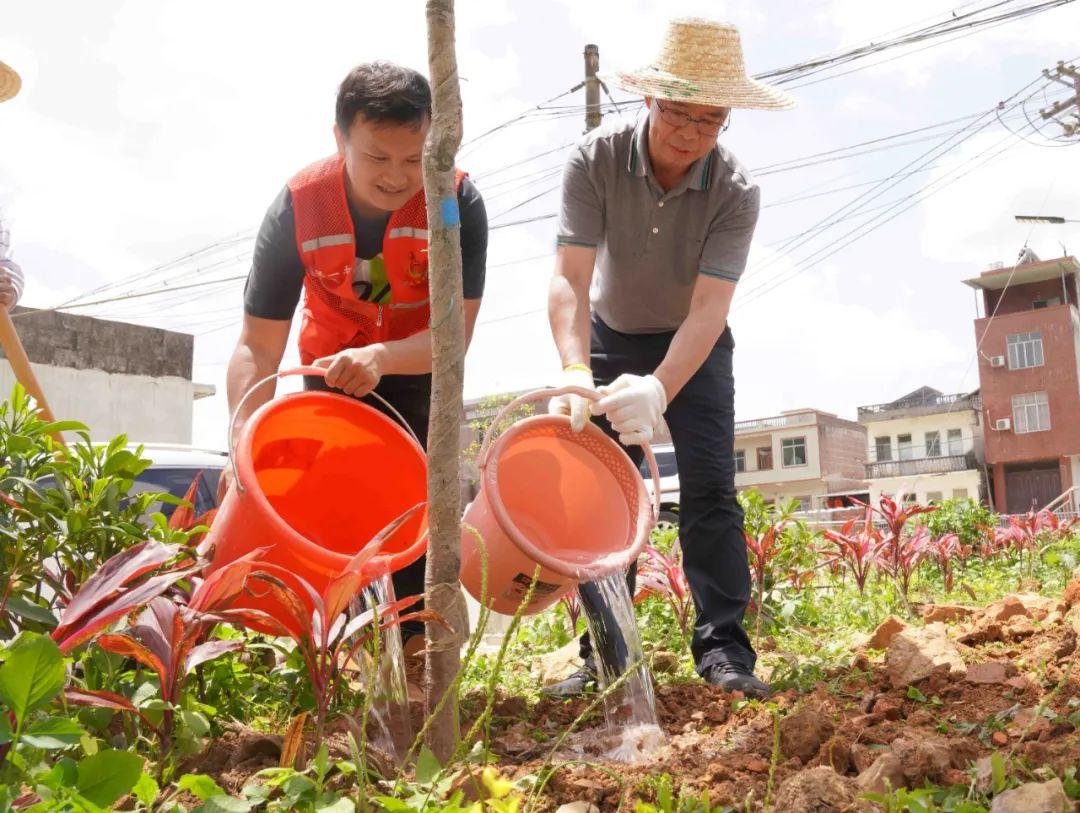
{"x":731,"y":678}
{"x":580,"y":682}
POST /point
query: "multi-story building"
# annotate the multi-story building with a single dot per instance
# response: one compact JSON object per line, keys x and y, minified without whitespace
{"x":802,"y":454}
{"x":1028,"y":340}
{"x":925,"y":446}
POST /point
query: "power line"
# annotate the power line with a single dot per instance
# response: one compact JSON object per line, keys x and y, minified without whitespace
{"x":915,"y":198}
{"x":923,"y":160}
{"x":954,"y":23}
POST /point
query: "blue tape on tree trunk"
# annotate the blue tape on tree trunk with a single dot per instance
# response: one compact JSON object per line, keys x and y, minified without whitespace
{"x":451,"y":216}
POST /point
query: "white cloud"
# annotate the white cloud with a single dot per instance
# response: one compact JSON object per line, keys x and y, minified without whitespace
{"x":971,"y":221}
{"x":815,"y":341}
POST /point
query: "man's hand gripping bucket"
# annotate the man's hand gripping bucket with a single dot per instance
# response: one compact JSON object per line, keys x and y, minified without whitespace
{"x":317,"y":475}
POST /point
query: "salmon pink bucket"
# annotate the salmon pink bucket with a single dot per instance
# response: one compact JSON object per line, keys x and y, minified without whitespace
{"x":572,"y":502}
{"x":317,"y":475}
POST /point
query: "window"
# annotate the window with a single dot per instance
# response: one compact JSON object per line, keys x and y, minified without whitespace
{"x":764,"y":458}
{"x":740,"y":460}
{"x":794,"y":451}
{"x":1039,"y":304}
{"x":905,"y":447}
{"x":933,"y":444}
{"x":802,"y":503}
{"x":956,"y":441}
{"x":959,"y":493}
{"x":882,"y":449}
{"x":1031,"y":412}
{"x":1025,"y":350}
{"x":909,"y":499}
{"x":665,"y":465}
{"x":933,"y":497}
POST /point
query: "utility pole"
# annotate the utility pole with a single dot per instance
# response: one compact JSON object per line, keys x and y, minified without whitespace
{"x":592,"y":88}
{"x":1069,"y":76}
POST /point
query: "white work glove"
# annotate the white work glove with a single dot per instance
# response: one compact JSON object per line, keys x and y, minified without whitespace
{"x":576,"y":375}
{"x":634,"y":404}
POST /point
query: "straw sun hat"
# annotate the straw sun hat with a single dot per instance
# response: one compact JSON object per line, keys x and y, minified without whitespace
{"x":701,"y":62}
{"x":9,"y":82}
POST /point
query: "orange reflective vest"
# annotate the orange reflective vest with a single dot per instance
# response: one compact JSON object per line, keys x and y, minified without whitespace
{"x":334,"y":318}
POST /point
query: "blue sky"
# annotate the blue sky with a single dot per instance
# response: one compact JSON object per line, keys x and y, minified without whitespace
{"x":147,"y":131}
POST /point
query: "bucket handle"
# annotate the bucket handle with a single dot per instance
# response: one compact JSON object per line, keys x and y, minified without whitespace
{"x":303,"y":370}
{"x":592,"y":395}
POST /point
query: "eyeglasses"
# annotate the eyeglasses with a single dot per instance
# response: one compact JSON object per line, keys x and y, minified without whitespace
{"x":678,"y":120}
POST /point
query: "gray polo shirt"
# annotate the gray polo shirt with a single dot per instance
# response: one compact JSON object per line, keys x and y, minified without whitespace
{"x":651,"y":245}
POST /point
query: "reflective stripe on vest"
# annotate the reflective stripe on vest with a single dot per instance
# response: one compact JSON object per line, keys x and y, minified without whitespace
{"x":334,"y":318}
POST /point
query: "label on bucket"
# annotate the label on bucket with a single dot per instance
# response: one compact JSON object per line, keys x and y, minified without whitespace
{"x":520,"y":586}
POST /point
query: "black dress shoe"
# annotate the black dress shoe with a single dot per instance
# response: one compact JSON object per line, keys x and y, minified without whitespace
{"x":731,"y":679}
{"x":580,"y":682}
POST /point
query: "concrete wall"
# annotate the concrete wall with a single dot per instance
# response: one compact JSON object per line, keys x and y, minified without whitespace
{"x":1058,"y":377}
{"x":843,"y":449}
{"x":945,"y":484}
{"x":85,"y":343}
{"x":144,"y":408}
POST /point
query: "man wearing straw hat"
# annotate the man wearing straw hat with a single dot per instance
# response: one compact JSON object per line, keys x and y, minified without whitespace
{"x":657,"y":218}
{"x":11,"y":276}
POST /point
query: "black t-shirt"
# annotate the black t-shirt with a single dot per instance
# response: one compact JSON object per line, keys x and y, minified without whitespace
{"x":277,"y":273}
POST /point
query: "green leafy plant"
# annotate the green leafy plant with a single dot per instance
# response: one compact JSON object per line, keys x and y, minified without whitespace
{"x":967,"y":518}
{"x":64,"y":511}
{"x":31,"y":680}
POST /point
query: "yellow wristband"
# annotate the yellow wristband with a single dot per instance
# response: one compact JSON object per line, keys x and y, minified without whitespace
{"x":582,"y":367}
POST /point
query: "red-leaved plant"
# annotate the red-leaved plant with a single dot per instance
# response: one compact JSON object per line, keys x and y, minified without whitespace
{"x":899,"y":556}
{"x":184,"y":519}
{"x":121,"y":586}
{"x":168,"y":633}
{"x":856,"y":547}
{"x":944,"y":550}
{"x":572,"y":604}
{"x":1025,"y":532}
{"x":662,"y":575}
{"x":762,"y":551}
{"x":326,"y":635}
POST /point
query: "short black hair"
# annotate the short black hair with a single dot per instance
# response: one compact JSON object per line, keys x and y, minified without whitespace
{"x":383,"y":91}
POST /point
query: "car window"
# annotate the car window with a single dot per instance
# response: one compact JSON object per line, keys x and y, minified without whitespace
{"x":665,"y":463}
{"x":174,"y":480}
{"x":177,"y":481}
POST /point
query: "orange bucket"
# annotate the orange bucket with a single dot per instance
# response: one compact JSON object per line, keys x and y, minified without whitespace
{"x":572,"y":502}
{"x":317,"y":476}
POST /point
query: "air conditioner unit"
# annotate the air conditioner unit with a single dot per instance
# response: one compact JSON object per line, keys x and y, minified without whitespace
{"x":997,"y":361}
{"x":1003,"y":424}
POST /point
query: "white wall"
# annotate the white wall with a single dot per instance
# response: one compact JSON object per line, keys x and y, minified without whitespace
{"x":145,"y":409}
{"x":917,"y":427}
{"x":944,"y":483}
{"x":778,"y":473}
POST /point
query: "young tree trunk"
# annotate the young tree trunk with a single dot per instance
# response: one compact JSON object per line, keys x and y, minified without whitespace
{"x":443,"y":593}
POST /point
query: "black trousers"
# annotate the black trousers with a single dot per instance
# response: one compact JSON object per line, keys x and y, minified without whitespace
{"x":702,"y":423}
{"x":411,"y":396}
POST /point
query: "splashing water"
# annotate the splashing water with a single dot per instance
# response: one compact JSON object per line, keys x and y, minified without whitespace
{"x":390,"y":696}
{"x":630,"y":710}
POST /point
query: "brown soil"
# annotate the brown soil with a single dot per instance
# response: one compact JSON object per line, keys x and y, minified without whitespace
{"x":844,"y":724}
